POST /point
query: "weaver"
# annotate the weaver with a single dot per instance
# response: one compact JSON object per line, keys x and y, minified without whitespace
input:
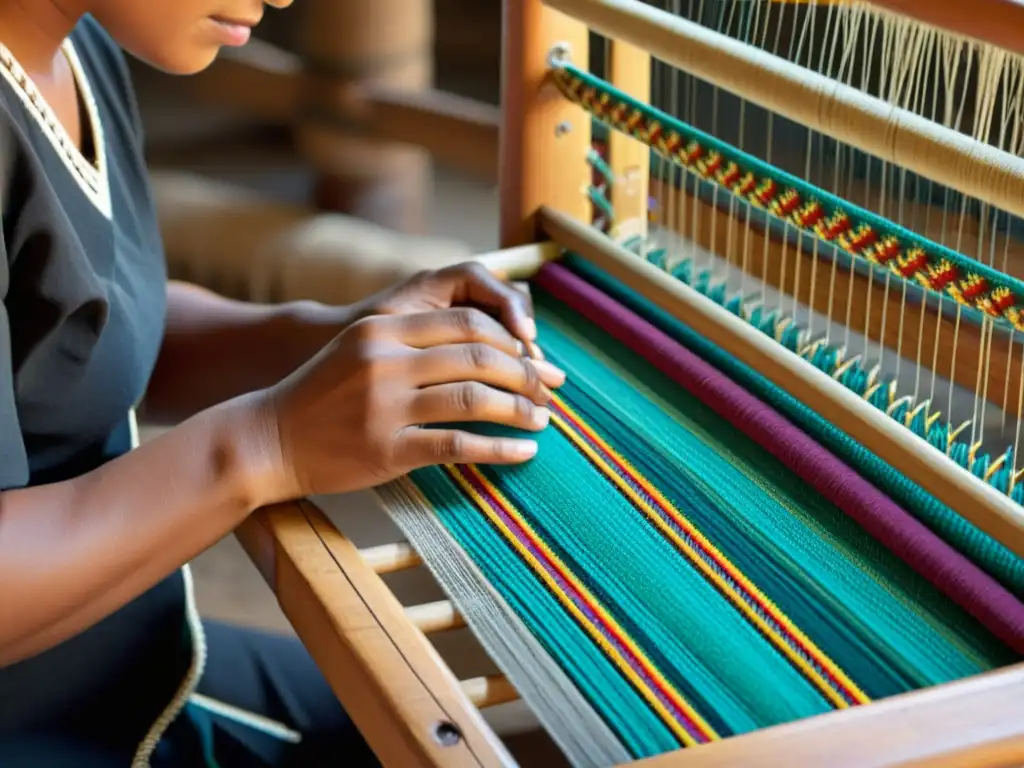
{"x":782,"y":485}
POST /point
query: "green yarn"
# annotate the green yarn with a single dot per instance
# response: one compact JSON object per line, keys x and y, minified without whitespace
{"x":882,"y":624}
{"x":982,"y":549}
{"x":639,"y":729}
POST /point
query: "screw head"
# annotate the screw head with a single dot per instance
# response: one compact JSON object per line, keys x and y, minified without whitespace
{"x":560,"y":53}
{"x":447,"y":734}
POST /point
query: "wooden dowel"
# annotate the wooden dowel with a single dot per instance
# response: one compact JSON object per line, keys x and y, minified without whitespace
{"x":808,"y":98}
{"x":390,"y":558}
{"x":518,"y":263}
{"x":489,"y":691}
{"x":999,"y":22}
{"x":432,"y":618}
{"x":978,"y":502}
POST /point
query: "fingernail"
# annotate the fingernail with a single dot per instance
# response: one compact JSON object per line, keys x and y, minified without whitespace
{"x":523,"y":449}
{"x":549,"y":371}
{"x":536,"y":353}
{"x":530,"y":328}
{"x":541,"y":417}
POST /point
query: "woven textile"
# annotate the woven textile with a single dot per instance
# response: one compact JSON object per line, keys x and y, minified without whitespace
{"x":694,"y":582}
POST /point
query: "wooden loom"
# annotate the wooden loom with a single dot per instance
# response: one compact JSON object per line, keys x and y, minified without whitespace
{"x":375,"y":653}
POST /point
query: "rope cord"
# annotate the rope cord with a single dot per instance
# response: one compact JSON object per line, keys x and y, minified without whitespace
{"x":865,"y":236}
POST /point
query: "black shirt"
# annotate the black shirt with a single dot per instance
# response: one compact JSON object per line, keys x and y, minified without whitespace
{"x":82,"y":305}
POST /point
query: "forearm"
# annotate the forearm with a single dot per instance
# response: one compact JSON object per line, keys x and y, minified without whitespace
{"x":71,"y":553}
{"x":216,"y":348}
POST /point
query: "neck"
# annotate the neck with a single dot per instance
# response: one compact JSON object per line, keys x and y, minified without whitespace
{"x":34,"y":30}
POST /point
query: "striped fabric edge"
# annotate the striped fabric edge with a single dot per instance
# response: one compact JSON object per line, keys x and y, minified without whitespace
{"x":751,"y":602}
{"x":562,"y":710}
{"x":682,"y":719}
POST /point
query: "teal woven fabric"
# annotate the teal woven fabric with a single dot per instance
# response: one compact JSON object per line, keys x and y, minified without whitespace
{"x":982,"y":549}
{"x":885,"y":627}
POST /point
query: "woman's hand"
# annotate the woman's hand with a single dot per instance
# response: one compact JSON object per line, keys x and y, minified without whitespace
{"x":368,"y":408}
{"x":468,"y":284}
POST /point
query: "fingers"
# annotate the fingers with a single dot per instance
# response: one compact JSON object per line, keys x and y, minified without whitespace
{"x":483,"y":363}
{"x":457,"y":325}
{"x":473,"y":283}
{"x":426,"y":447}
{"x":472,"y":401}
{"x":532,"y":350}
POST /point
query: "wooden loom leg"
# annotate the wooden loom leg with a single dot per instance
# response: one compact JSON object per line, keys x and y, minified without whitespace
{"x":351,"y":45}
{"x":544,"y":138}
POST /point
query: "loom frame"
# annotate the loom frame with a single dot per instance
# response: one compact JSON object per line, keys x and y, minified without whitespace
{"x":375,"y":654}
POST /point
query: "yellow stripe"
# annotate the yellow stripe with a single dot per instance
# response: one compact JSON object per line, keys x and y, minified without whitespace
{"x":821,"y":682}
{"x":610,"y":650}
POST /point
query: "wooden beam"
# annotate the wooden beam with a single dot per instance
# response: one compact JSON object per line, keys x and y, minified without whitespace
{"x":407,"y":704}
{"x":266,"y":82}
{"x":974,"y":722}
{"x":459,"y":132}
{"x":998,"y":22}
{"x":545,"y":138}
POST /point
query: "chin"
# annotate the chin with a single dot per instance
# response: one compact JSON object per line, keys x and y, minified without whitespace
{"x":187,"y":60}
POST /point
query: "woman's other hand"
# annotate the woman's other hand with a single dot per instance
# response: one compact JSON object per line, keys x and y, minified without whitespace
{"x":369,"y":407}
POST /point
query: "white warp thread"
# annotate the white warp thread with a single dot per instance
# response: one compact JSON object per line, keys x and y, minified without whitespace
{"x":824,"y":105}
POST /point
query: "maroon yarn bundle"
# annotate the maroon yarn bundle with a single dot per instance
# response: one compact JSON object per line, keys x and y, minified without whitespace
{"x":953,"y":574}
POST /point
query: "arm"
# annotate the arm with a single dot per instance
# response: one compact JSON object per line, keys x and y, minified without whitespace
{"x":216,"y":348}
{"x":367,"y":408}
{"x":73,"y":552}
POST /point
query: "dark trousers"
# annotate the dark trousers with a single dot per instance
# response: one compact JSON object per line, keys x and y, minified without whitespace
{"x":247,"y":673}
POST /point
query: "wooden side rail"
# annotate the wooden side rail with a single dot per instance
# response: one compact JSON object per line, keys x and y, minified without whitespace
{"x":402,"y":697}
{"x":978,"y":722}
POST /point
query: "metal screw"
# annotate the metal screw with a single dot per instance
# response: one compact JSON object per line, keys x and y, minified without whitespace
{"x":563,"y":128}
{"x":560,"y":53}
{"x":447,"y":734}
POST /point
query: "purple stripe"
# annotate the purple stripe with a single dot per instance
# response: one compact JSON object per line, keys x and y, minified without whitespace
{"x":573,"y":594}
{"x":907,"y":537}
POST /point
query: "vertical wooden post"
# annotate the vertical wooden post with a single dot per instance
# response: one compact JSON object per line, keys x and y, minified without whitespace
{"x":347,"y":44}
{"x":629,"y":70}
{"x":544,"y":137}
